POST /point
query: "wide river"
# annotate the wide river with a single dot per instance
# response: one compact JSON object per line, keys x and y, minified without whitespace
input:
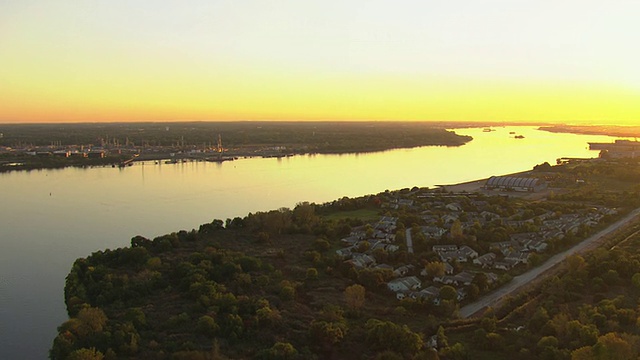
{"x":49,"y":218}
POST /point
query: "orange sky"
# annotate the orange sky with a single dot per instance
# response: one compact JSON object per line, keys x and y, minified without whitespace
{"x":73,"y":61}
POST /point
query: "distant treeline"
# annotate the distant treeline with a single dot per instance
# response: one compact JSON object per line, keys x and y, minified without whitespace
{"x":610,"y":130}
{"x":324,"y":137}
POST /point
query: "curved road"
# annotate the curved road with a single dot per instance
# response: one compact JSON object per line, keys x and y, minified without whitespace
{"x":523,"y":279}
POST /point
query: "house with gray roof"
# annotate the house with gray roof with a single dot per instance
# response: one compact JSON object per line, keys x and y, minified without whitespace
{"x":404,"y":284}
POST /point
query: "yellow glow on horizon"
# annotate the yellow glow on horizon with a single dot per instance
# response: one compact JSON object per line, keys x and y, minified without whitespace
{"x":236,"y":93}
{"x":113,"y":85}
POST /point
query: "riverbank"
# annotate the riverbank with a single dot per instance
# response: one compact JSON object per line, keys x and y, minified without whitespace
{"x":478,"y":186}
{"x":609,"y":130}
{"x":32,"y":146}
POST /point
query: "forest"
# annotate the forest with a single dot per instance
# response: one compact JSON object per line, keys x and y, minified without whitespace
{"x":320,"y":137}
{"x":272,"y":286}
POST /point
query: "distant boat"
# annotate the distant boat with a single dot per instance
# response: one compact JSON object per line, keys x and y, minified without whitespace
{"x":512,"y":132}
{"x":487,"y":130}
{"x":221,"y":159}
{"x":519,"y":137}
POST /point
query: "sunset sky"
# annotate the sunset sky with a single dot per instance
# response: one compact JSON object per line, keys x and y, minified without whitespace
{"x":575,"y":61}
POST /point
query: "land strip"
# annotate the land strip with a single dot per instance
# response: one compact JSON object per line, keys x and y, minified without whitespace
{"x":30,"y":146}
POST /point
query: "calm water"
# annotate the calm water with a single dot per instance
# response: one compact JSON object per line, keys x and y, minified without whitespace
{"x":50,"y":218}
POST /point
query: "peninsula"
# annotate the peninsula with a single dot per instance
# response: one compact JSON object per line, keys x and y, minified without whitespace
{"x":32,"y":146}
{"x":378,"y":276}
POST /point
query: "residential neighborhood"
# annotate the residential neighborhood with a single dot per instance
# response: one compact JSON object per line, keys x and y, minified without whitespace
{"x":471,"y":242}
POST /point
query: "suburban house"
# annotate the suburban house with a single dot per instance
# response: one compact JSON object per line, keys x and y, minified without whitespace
{"x":486,"y":260}
{"x":537,"y":245}
{"x":506,"y":247}
{"x":361,"y":261}
{"x":386,"y":224}
{"x":344,"y":253}
{"x":384,"y":246}
{"x":430,"y":292}
{"x":351,"y":240}
{"x":489,"y":216}
{"x":491,"y":278}
{"x":463,"y":254}
{"x":449,"y":218}
{"x":462,"y":293}
{"x":519,"y":257}
{"x":463,"y":278}
{"x":506,"y":264}
{"x":384,"y":267}
{"x":403,"y":270}
{"x":453,"y":207}
{"x":433,"y":231}
{"x":404,"y":284}
{"x":440,"y":248}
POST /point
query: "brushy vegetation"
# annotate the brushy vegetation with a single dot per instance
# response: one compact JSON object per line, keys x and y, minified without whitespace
{"x":271,"y":286}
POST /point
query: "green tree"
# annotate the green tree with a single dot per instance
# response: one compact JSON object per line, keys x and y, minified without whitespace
{"x":287,"y":291}
{"x":86,"y":354}
{"x":137,"y":317}
{"x":547,"y":342}
{"x":456,"y":352}
{"x":481,"y":281}
{"x":539,"y":319}
{"x":93,"y":319}
{"x":385,"y":335}
{"x":635,"y":280}
{"x":207,"y":326}
{"x":489,"y":324}
{"x":355,"y":297}
{"x":363,"y":246}
{"x":389,"y":355}
{"x":448,"y":293}
{"x":456,"y":230}
{"x":327,"y":334}
{"x":283,"y":351}
{"x":435,"y":269}
{"x":312,"y":274}
{"x":612,"y":346}
{"x":441,"y":338}
{"x":495,"y":342}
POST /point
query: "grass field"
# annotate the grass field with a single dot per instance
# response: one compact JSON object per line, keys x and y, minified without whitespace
{"x":363,"y":214}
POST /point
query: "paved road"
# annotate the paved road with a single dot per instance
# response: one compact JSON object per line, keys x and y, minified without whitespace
{"x":407,"y":235}
{"x":493,"y":298}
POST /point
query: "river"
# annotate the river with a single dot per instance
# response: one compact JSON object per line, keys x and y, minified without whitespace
{"x":49,"y":218}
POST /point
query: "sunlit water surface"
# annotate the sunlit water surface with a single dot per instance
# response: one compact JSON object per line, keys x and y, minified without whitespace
{"x":49,"y":218}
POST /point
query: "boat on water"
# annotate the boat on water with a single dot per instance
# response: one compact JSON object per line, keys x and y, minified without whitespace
{"x":221,"y":159}
{"x":519,"y":137}
{"x":487,"y":130}
{"x":512,"y":132}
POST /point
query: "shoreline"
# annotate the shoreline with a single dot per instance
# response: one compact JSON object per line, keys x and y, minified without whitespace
{"x":122,"y":161}
{"x":477,"y":185}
